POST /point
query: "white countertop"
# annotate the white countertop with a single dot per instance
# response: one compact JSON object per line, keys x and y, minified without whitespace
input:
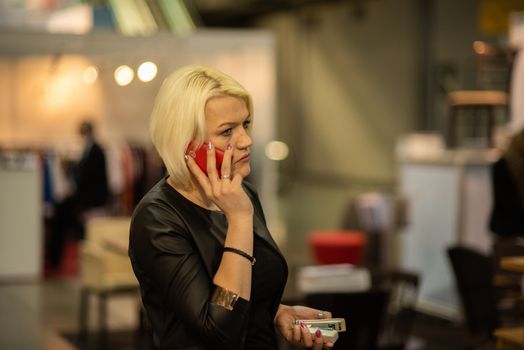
{"x":459,"y":157}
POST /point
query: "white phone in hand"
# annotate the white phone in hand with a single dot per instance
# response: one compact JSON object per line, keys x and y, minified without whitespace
{"x":329,"y":327}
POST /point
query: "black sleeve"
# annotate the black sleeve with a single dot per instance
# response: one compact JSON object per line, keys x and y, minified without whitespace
{"x":164,"y":254}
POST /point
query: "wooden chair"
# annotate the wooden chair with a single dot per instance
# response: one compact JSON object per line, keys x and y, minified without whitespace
{"x":474,"y":274}
{"x":478,"y":104}
{"x":509,"y":338}
{"x":105,"y":269}
{"x":403,"y":287}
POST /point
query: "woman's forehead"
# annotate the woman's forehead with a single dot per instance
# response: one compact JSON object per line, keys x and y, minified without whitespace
{"x":223,"y":109}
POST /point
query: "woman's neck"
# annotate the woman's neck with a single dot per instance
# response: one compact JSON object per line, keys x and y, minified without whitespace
{"x":194,"y":194}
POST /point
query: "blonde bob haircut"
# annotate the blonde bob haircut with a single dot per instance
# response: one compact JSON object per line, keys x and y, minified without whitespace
{"x":178,"y":115}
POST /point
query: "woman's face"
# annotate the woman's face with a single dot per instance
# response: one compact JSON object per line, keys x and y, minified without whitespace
{"x":227,"y":121}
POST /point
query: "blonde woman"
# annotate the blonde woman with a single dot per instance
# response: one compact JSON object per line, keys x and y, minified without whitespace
{"x":210,"y":273}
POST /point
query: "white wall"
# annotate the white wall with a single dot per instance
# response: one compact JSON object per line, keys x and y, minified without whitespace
{"x":347,"y":89}
{"x":21,"y":238}
{"x":45,"y":98}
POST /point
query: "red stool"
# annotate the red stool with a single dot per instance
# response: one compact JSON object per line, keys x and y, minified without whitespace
{"x":337,"y":247}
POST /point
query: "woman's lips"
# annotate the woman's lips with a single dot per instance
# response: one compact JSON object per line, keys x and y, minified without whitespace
{"x":243,"y":159}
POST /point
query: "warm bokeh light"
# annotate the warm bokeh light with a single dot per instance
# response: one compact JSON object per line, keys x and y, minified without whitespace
{"x":277,"y":150}
{"x":147,"y":71}
{"x":479,"y":47}
{"x":89,"y":75}
{"x":124,"y":75}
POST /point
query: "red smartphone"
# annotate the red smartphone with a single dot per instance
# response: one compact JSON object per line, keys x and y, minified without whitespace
{"x":201,"y":158}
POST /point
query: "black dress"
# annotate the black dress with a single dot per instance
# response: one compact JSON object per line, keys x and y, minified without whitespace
{"x":175,"y":248}
{"x":507,"y":215}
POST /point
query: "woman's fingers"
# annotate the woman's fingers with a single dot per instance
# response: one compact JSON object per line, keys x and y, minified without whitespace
{"x":212,"y":172}
{"x":318,"y":342}
{"x":314,"y":341}
{"x":326,"y":314}
{"x":297,"y":333}
{"x":301,"y":334}
{"x":306,"y":335}
{"x":226,"y":193}
{"x":201,"y":177}
{"x":226,"y":162}
{"x":328,"y":345}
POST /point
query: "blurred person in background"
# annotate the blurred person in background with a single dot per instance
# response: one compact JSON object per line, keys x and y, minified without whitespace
{"x":211,"y":275}
{"x":90,"y":173}
{"x":89,"y":191}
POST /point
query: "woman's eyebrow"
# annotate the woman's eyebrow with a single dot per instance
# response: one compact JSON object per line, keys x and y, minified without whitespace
{"x":233,"y":123}
{"x":227,"y":124}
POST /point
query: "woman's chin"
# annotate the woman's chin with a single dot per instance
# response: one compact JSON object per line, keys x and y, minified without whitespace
{"x":244,"y":170}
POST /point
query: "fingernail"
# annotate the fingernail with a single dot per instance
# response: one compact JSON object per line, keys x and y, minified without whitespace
{"x":186,"y":157}
{"x":209,"y":145}
{"x":318,"y":333}
{"x":229,"y":147}
{"x":302,"y":324}
{"x":192,"y":154}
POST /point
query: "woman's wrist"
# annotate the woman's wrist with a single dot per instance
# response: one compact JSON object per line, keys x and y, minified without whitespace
{"x":281,"y":308}
{"x":240,"y":219}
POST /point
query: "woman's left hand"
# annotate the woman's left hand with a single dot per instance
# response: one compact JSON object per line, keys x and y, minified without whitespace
{"x":299,"y":334}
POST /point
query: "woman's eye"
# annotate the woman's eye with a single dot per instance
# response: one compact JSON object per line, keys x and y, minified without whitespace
{"x":227,"y":132}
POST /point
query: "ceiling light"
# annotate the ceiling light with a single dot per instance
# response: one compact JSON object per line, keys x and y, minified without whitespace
{"x":124,"y":75}
{"x":277,"y":150}
{"x":147,"y":71}
{"x":89,"y":75}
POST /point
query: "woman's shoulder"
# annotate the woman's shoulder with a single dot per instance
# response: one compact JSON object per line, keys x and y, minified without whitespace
{"x":157,"y":205}
{"x":157,"y":221}
{"x":155,"y":196}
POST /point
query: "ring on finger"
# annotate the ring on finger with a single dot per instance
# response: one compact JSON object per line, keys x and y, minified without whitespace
{"x":226,"y":177}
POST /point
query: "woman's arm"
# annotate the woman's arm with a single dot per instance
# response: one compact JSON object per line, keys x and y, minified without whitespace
{"x":204,"y":306}
{"x":176,"y":283}
{"x":234,"y":271}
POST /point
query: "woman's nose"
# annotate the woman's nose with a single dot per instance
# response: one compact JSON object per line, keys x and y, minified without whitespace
{"x":244,"y":140}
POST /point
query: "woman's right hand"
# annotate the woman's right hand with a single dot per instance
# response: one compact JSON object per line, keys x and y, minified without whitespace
{"x":299,"y":334}
{"x":227,"y":192}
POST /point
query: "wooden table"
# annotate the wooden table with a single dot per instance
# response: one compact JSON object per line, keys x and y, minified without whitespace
{"x":513,"y":263}
{"x":511,"y":337}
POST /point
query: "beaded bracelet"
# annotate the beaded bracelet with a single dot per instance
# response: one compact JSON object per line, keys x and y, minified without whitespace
{"x":251,"y":259}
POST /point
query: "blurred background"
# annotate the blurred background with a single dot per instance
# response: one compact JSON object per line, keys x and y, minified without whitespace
{"x":377,"y":127}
